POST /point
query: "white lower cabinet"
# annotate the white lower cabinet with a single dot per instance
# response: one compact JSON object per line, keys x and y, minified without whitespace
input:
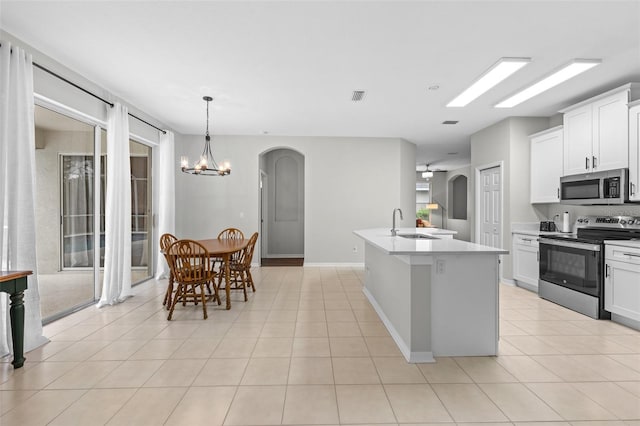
{"x":525,"y":261}
{"x":622,"y":281}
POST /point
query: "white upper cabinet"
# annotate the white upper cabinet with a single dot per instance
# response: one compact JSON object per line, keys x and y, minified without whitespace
{"x":634,"y":152}
{"x":611,"y":133}
{"x":578,"y":139}
{"x":546,"y":165}
{"x":596,"y":134}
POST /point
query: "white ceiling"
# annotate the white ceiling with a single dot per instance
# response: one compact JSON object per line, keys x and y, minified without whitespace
{"x":289,"y":68}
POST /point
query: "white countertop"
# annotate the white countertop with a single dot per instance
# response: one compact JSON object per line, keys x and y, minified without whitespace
{"x":532,"y":228}
{"x":624,"y":243}
{"x":537,"y":233}
{"x":382,"y":239}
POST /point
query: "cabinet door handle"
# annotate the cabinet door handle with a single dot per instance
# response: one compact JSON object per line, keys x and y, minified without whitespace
{"x":631,"y":254}
{"x":594,"y":162}
{"x":559,"y":193}
{"x":606,"y":270}
{"x":538,"y":256}
{"x":632,"y":188}
{"x":586,"y":163}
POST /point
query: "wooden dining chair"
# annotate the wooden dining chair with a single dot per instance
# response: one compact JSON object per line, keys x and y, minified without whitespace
{"x":165,"y":242}
{"x":191,"y":266}
{"x":240,"y":268}
{"x":228,"y":234}
{"x":231,"y":234}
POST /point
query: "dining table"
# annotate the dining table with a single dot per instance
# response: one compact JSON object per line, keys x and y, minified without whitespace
{"x":224,"y":248}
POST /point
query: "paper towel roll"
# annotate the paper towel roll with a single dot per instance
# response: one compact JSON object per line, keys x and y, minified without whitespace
{"x":566,"y":226}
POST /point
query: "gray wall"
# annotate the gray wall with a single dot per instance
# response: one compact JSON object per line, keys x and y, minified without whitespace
{"x":438,"y":193}
{"x":462,"y":227}
{"x":350,"y":183}
{"x":508,"y":142}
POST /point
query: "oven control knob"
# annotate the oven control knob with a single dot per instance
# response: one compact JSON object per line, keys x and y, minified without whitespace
{"x":624,"y":222}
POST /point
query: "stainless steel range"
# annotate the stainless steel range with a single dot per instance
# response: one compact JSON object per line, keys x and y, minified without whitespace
{"x":572,"y":265}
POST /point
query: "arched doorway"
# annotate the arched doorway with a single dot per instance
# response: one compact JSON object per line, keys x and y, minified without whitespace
{"x":282,"y":207}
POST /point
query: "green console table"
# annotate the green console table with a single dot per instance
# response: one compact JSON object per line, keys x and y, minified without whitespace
{"x":15,"y":283}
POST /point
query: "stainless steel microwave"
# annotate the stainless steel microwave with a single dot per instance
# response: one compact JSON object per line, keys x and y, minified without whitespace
{"x":608,"y":187}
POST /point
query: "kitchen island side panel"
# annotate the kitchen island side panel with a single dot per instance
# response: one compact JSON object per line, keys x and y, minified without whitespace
{"x":464,"y":304}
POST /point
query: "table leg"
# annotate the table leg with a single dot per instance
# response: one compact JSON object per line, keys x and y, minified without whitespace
{"x":227,"y":278}
{"x":16,"y":312}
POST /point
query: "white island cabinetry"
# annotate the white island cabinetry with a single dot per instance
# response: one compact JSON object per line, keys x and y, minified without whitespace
{"x":437,"y":297}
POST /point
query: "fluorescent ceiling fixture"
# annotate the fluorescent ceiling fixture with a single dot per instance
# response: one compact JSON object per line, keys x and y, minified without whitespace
{"x":575,"y":67}
{"x":494,"y":75}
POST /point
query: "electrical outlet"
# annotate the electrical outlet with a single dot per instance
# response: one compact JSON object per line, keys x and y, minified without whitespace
{"x":440,"y":266}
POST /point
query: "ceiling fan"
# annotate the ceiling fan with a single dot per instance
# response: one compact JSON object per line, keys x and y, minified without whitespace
{"x":426,"y":171}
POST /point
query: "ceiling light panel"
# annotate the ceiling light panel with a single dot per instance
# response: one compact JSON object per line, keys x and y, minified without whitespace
{"x":572,"y":69}
{"x":494,"y":75}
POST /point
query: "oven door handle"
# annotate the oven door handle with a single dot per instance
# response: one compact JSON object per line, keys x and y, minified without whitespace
{"x":571,"y":244}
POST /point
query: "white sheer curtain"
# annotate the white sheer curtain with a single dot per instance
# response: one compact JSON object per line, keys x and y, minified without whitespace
{"x":166,"y":197}
{"x":17,"y":190}
{"x":117,"y":260}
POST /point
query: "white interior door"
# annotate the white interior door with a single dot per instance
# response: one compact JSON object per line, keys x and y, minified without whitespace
{"x":490,"y":219}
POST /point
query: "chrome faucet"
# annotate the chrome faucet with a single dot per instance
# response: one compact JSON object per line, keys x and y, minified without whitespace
{"x":394,"y":231}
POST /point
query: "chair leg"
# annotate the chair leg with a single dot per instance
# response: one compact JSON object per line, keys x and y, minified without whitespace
{"x":216,"y":295}
{"x":176,"y":298}
{"x":204,"y":305}
{"x":169,"y":292}
{"x":250,"y":280}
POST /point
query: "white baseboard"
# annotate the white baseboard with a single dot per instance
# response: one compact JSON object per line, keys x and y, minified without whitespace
{"x":335,"y":265}
{"x":508,"y":281}
{"x":412,"y":357}
{"x":626,"y":321}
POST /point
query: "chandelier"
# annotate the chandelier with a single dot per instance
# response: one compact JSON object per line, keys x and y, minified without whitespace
{"x":206,"y":166}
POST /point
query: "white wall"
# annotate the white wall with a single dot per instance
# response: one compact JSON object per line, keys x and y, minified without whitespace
{"x":350,"y":183}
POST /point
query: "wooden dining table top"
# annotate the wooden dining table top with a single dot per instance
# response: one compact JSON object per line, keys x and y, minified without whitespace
{"x":12,"y":275}
{"x":223,"y":246}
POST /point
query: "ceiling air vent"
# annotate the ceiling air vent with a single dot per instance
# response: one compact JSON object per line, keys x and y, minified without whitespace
{"x":357,"y":95}
{"x":450,"y":122}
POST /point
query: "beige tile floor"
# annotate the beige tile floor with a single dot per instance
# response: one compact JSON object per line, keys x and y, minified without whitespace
{"x":307,"y":348}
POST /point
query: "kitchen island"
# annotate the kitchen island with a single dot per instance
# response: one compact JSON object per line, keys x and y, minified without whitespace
{"x":437,"y":296}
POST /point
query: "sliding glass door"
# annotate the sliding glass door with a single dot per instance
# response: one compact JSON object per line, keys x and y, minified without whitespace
{"x":141,"y":223}
{"x":71,"y":179}
{"x":65,"y":197}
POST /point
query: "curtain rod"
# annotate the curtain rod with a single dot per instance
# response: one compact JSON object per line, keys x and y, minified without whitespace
{"x":90,"y":93}
{"x":94,"y":95}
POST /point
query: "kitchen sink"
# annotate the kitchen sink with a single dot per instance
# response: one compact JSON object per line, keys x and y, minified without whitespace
{"x":418,"y":236}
